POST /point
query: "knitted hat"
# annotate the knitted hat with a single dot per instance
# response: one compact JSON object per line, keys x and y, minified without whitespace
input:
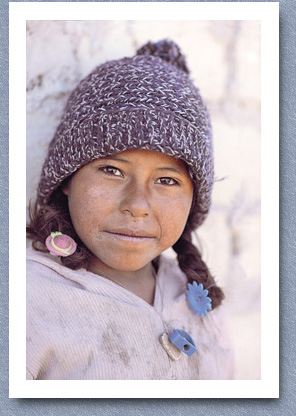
{"x":144,"y":102}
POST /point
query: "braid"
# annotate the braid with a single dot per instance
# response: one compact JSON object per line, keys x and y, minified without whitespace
{"x":194,"y":267}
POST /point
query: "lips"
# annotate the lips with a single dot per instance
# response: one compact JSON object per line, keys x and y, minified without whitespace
{"x":127,"y":232}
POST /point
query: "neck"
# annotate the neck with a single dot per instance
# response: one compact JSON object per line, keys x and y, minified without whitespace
{"x":140,"y":282}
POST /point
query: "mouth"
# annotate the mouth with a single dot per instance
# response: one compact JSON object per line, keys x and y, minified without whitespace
{"x":131,"y":235}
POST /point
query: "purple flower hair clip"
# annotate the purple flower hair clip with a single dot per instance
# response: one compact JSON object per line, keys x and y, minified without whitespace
{"x":198,"y":299}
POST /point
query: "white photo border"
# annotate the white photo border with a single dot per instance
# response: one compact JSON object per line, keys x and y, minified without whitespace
{"x":268,"y":14}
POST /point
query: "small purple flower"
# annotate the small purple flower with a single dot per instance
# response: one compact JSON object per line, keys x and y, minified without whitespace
{"x":198,"y":299}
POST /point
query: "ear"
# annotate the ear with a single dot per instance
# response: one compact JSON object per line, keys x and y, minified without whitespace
{"x":65,"y":189}
{"x":66,"y":185}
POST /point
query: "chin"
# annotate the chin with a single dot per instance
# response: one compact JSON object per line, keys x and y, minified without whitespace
{"x":124,"y":264}
{"x":129,"y":267}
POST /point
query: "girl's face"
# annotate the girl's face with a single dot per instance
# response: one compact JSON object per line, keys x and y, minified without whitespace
{"x":128,"y":208}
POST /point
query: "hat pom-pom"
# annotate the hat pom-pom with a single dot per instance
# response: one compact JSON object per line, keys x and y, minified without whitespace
{"x":167,"y":50}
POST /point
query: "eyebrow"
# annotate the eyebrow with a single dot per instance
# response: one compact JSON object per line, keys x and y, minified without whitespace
{"x":117,"y":159}
{"x":171,"y":169}
{"x":162,"y":168}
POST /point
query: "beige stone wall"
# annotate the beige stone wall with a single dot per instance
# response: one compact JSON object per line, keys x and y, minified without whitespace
{"x":224,"y":58}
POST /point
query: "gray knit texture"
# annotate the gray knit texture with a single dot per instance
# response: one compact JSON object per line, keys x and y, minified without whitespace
{"x":144,"y":102}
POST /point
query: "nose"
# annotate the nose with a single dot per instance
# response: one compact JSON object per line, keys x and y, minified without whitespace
{"x":135,"y":200}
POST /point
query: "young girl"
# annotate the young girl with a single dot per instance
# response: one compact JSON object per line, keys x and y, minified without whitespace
{"x":129,"y":173}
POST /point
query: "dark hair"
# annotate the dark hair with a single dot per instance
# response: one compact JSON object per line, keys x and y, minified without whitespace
{"x":55,"y":216}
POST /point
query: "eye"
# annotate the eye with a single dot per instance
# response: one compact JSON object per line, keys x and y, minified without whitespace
{"x":167,"y":181}
{"x":111,"y":171}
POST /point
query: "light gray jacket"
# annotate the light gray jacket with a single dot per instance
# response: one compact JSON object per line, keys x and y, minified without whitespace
{"x":84,"y":326}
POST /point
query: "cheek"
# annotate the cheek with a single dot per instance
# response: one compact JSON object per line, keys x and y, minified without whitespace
{"x":174,"y":220}
{"x":89,"y":208}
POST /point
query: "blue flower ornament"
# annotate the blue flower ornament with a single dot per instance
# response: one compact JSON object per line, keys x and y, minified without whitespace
{"x":198,"y":299}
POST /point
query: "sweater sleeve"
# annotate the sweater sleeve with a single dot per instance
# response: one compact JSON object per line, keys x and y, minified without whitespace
{"x":221,"y":335}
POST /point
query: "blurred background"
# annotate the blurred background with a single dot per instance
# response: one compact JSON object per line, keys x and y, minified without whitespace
{"x":224,"y":59}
